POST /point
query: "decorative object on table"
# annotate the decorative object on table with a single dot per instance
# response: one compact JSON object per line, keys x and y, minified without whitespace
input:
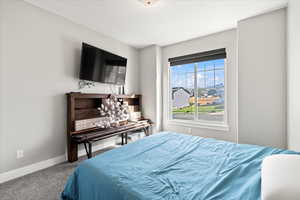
{"x":116,"y":113}
{"x":91,"y":123}
{"x":135,"y":116}
{"x":134,"y":113}
{"x":133,"y":108}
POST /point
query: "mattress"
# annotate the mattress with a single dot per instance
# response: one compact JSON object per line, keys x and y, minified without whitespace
{"x":172,"y":166}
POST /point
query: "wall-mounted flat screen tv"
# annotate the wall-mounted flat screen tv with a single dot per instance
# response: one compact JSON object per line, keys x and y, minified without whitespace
{"x":102,"y":66}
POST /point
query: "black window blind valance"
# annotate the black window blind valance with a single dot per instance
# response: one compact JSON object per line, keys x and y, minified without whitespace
{"x":198,"y":57}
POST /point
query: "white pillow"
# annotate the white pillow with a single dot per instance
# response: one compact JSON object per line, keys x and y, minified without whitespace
{"x":281,"y":177}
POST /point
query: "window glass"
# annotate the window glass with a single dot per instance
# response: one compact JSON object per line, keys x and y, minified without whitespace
{"x":197,"y":91}
{"x":182,"y":91}
{"x":210,"y":88}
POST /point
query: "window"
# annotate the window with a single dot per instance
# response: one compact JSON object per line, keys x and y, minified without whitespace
{"x":197,"y":87}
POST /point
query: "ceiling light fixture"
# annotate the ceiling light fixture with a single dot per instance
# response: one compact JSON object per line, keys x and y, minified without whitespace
{"x":148,"y":2}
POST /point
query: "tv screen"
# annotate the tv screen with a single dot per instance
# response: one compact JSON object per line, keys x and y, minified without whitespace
{"x":101,"y":66}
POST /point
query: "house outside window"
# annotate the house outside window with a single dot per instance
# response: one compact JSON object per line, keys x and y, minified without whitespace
{"x":197,"y":88}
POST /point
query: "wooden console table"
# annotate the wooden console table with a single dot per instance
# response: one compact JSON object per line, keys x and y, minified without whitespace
{"x":84,"y":106}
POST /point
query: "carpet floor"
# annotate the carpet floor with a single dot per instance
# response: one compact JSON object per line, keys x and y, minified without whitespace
{"x":46,"y":184}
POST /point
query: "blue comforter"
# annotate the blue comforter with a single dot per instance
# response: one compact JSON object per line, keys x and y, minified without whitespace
{"x":171,"y":166}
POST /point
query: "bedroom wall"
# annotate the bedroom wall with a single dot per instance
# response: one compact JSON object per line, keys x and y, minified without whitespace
{"x":293,"y":75}
{"x":1,"y":88}
{"x":40,"y":55}
{"x":150,"y":84}
{"x":223,"y":39}
{"x":262,"y":79}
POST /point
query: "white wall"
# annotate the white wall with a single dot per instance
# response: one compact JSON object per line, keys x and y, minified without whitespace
{"x":261,"y":74}
{"x":294,"y":75}
{"x":1,"y":89}
{"x":150,"y":82}
{"x":40,"y":55}
{"x":226,"y":39}
{"x":159,"y":94}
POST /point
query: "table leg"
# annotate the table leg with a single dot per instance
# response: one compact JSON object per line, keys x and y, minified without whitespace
{"x":146,"y":131}
{"x":122,"y":138}
{"x":90,"y":154}
{"x":72,"y":151}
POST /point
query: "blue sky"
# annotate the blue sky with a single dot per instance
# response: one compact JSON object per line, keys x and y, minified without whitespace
{"x":183,"y":75}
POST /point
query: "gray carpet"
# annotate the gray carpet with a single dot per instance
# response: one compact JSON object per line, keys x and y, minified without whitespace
{"x":46,"y":184}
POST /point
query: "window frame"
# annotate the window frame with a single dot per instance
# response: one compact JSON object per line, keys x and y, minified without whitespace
{"x":196,"y":123}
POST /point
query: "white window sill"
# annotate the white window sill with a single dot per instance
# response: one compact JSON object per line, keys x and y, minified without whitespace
{"x":199,"y":124}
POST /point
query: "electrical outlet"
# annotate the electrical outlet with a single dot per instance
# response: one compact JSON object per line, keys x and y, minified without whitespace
{"x":20,"y":154}
{"x":190,"y":130}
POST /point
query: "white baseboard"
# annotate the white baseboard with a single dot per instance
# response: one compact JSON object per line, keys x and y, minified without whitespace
{"x":16,"y":173}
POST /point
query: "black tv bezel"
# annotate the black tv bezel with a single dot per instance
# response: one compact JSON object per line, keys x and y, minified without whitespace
{"x":106,"y":52}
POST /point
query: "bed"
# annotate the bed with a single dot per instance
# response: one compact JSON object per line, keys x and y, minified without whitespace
{"x":172,"y":166}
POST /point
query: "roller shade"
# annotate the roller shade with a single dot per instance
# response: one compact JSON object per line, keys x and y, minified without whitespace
{"x":198,"y":57}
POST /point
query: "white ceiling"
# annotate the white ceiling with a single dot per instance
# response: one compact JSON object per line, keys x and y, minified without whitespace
{"x":164,"y":23}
